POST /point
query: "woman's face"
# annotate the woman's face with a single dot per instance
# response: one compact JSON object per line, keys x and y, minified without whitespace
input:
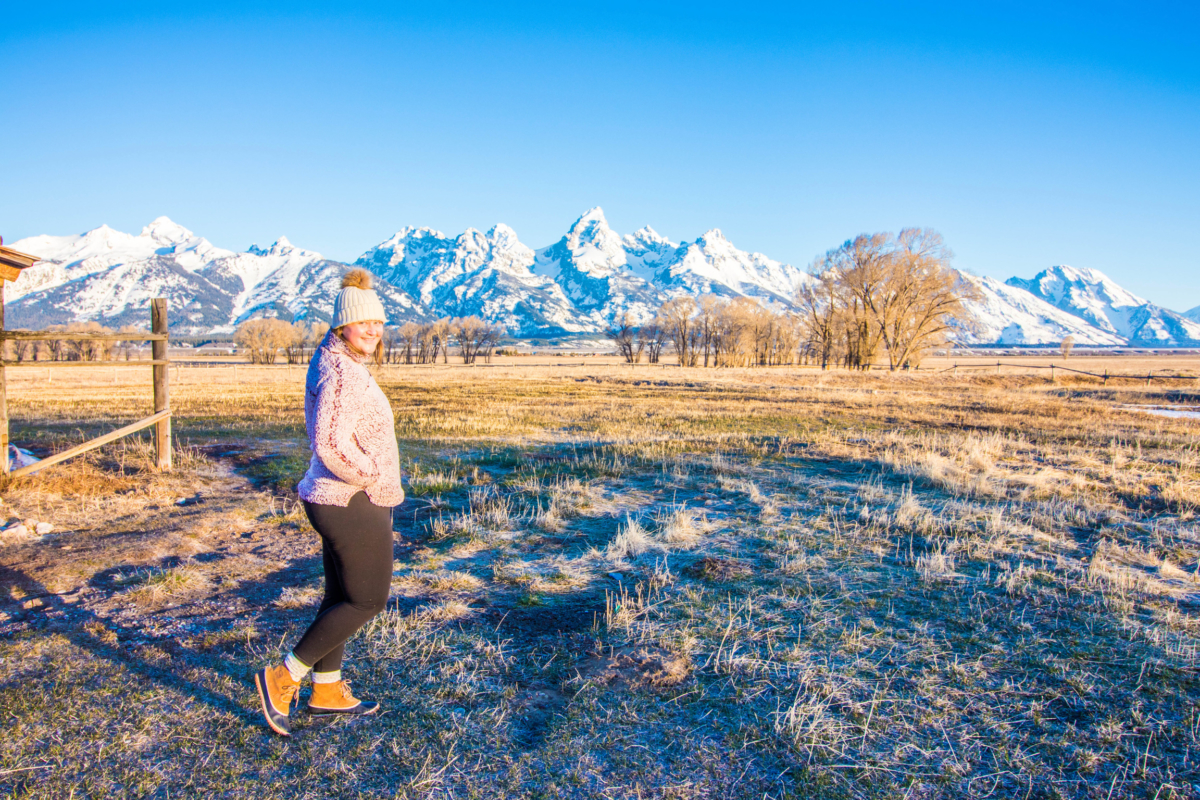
{"x":363,"y":336}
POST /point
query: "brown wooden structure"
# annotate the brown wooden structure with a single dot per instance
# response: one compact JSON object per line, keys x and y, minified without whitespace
{"x":12,"y":262}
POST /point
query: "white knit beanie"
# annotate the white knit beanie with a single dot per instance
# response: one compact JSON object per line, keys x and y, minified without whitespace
{"x":357,"y":301}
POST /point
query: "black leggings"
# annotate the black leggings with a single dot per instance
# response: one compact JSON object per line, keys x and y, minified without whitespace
{"x":356,"y":543}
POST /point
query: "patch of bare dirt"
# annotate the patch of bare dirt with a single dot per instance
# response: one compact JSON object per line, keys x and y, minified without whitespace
{"x":638,"y":666}
{"x":717,"y":568}
{"x":576,"y":614}
{"x":536,"y":705}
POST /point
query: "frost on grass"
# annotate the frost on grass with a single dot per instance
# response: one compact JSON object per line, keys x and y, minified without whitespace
{"x":632,"y":540}
{"x":299,"y":596}
{"x":1007,"y":609}
{"x":675,"y":528}
{"x":157,"y":586}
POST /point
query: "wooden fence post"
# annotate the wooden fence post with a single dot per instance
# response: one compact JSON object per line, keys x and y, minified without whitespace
{"x":1148,"y":374}
{"x":162,"y":393}
{"x":4,"y":459}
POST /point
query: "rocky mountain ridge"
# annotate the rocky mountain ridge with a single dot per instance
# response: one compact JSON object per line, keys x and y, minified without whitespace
{"x":573,"y":287}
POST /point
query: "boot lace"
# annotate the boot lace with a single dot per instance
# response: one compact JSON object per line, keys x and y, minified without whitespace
{"x":287,"y":692}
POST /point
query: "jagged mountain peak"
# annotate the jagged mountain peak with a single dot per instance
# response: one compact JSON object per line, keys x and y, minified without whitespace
{"x":592,"y":231}
{"x":1087,"y":274}
{"x":98,"y":238}
{"x":1008,"y":314}
{"x":593,"y":215}
{"x":1064,"y":283}
{"x":502,"y":235}
{"x":1103,"y":303}
{"x":164,"y":229}
{"x":282,"y":247}
{"x":405,"y":234}
{"x":647,"y":235}
{"x":591,"y":251}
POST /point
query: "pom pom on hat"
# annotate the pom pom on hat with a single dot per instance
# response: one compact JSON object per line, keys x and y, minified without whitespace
{"x":357,"y":301}
{"x":356,"y":279}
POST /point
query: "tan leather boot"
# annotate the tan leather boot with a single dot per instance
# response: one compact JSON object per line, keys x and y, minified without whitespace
{"x":336,"y":698}
{"x":277,"y":691}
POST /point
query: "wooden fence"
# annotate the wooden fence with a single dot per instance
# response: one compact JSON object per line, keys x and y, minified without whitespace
{"x":160,"y":419}
{"x":1149,"y":376}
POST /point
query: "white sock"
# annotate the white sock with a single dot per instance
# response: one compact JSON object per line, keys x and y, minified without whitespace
{"x":296,"y":667}
{"x":327,"y":677}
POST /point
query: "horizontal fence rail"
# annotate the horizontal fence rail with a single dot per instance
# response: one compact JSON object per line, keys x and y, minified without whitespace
{"x":1105,"y":376}
{"x":70,"y":336}
{"x":146,"y":363}
{"x":92,"y":444}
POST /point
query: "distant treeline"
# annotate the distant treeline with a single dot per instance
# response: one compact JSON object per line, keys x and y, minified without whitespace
{"x":76,"y":350}
{"x":263,"y":340}
{"x":876,"y":293}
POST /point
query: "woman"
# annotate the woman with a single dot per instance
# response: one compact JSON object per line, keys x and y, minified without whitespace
{"x":351,"y":486}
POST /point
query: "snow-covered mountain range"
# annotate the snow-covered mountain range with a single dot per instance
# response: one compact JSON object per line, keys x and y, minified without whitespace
{"x":575,"y":286}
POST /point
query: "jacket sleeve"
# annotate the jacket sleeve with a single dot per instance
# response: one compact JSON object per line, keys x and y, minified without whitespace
{"x":336,"y":414}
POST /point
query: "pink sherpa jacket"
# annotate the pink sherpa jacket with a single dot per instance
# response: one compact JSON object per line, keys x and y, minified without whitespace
{"x":351,"y":431}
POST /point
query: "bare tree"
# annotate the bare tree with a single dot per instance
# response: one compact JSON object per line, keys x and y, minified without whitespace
{"x":263,"y":339}
{"x":293,"y":346}
{"x":127,"y":348}
{"x":1067,"y":343}
{"x":313,"y":338}
{"x":920,"y":298}
{"x":860,"y":266}
{"x":653,"y":336}
{"x":441,"y":339}
{"x":469,"y":331}
{"x":678,"y":316}
{"x":821,"y":307}
{"x":409,"y":334}
{"x":708,"y":312}
{"x":625,"y":334}
{"x":427,"y":345}
{"x":879,"y":290}
{"x":489,"y":337}
{"x":391,"y":344}
{"x":730,"y":345}
{"x":789,"y":333}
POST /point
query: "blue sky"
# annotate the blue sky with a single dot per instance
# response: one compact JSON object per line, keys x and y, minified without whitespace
{"x":1028,"y":134}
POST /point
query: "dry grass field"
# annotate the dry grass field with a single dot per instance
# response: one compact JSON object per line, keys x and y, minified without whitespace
{"x":624,"y":583}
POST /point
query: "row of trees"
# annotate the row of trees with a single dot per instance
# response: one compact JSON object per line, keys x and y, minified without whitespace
{"x":412,"y":343}
{"x":263,"y":340}
{"x":893,"y":294}
{"x":712,"y":331}
{"x":74,"y":349}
